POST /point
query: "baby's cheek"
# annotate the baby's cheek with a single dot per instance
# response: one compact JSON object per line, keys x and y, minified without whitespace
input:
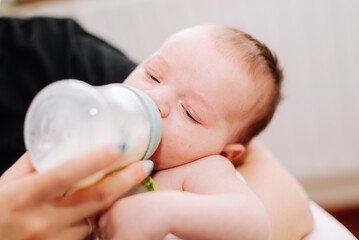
{"x":189,"y":146}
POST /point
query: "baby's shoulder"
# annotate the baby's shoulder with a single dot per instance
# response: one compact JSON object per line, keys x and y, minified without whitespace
{"x":211,"y":163}
{"x":170,"y":179}
{"x":194,"y":173}
{"x":212,"y":174}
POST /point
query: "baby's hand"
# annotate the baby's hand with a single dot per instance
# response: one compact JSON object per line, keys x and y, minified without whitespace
{"x":142,"y":216}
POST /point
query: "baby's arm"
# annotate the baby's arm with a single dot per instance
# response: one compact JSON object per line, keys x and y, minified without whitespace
{"x":215,"y":205}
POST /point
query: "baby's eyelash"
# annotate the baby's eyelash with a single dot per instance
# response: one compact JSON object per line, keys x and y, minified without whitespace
{"x":190,"y":114}
{"x":154,"y":79}
{"x":191,"y":117}
{"x":187,"y":112}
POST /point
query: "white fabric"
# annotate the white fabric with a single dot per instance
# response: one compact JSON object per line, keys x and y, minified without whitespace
{"x":327,"y":227}
{"x":240,"y":177}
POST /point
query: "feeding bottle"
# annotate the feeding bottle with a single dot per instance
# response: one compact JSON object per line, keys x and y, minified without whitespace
{"x":70,"y":117}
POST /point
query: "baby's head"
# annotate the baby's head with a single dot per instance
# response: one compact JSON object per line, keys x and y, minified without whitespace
{"x":263,"y":70}
{"x":216,"y":88}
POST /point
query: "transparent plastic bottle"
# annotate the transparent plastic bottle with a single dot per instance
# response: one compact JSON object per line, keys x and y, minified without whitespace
{"x":70,"y":117}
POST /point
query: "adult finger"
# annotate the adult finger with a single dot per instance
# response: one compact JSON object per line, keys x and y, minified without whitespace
{"x":55,"y":182}
{"x":78,"y":231}
{"x":96,"y":198}
{"x":19,"y":169}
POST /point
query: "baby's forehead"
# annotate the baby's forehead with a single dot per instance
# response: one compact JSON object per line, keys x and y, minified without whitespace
{"x":216,"y":35}
{"x":234,"y":45}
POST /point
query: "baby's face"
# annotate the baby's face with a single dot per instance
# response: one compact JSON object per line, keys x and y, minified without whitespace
{"x":200,"y":94}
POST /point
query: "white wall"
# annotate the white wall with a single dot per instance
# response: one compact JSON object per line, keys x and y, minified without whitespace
{"x":315,"y":133}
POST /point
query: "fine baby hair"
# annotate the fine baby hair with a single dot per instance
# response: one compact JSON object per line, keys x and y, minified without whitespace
{"x":260,"y":63}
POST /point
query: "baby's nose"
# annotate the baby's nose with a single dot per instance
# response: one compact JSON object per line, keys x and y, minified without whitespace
{"x":164,"y":110}
{"x":161,"y":102}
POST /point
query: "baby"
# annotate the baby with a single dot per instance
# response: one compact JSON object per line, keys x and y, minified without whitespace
{"x":216,"y":88}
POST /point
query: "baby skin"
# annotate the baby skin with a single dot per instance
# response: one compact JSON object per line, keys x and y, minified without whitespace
{"x":206,"y":97}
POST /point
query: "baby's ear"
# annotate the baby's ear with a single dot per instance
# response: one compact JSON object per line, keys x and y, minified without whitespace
{"x":233,"y":151}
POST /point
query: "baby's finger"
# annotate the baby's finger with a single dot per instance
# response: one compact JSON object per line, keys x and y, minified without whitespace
{"x":55,"y":182}
{"x":96,"y":198}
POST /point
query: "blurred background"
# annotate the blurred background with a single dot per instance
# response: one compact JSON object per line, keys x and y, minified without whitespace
{"x":315,"y":133}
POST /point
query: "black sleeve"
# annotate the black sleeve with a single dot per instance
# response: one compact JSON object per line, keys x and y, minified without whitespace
{"x":37,"y":51}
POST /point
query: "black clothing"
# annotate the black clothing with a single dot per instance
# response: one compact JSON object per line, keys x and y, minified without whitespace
{"x":37,"y":51}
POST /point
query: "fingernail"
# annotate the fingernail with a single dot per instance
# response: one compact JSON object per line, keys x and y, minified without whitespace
{"x":121,"y":147}
{"x":148,"y":166}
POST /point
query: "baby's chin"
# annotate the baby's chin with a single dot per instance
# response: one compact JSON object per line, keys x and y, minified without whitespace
{"x":156,"y":159}
{"x":159,"y":163}
{"x":162,"y":162}
{"x":166,"y":159}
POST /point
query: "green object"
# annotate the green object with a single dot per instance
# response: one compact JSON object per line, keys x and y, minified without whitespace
{"x":150,"y":184}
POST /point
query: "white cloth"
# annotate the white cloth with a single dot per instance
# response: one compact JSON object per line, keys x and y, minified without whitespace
{"x":240,"y":177}
{"x":326,"y":226}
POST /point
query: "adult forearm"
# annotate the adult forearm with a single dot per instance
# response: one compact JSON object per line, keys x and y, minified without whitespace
{"x":284,"y":199}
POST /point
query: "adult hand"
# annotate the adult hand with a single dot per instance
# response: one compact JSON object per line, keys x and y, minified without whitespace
{"x":32,"y":205}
